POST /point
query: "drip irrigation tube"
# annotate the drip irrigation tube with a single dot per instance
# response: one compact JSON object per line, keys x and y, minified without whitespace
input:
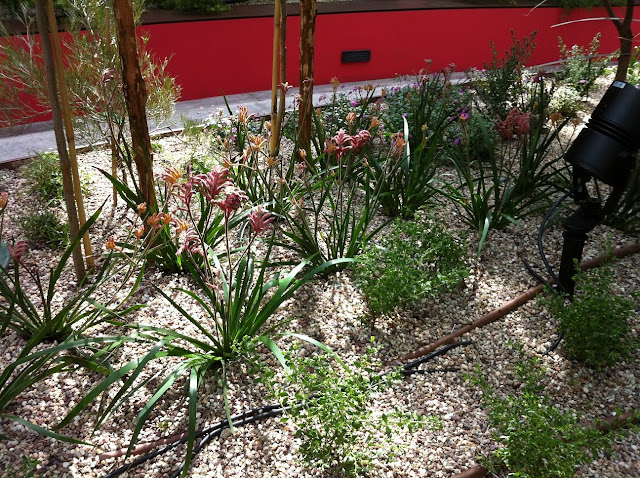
{"x":249,"y":417}
{"x":512,"y":305}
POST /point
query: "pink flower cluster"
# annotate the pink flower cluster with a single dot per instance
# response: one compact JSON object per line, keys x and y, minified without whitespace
{"x":516,"y":123}
{"x":342,"y":142}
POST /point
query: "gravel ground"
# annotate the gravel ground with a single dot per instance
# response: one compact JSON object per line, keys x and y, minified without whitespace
{"x":331,"y":310}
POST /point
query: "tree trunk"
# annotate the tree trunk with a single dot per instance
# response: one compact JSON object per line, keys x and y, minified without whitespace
{"x":135,"y":94}
{"x":308,"y":10}
{"x":68,"y":127}
{"x":625,"y":36}
{"x":65,"y":164}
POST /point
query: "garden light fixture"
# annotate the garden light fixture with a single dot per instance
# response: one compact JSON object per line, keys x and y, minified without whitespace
{"x":604,"y":151}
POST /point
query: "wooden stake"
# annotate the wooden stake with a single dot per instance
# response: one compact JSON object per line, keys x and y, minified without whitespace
{"x":283,"y":68}
{"x":112,"y":140}
{"x":68,"y":126}
{"x":275,"y":70}
{"x":65,"y":165}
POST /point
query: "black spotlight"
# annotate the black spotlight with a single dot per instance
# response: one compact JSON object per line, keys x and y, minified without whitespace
{"x":605,"y":151}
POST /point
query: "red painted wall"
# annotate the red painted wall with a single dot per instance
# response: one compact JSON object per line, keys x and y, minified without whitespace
{"x":234,"y":56}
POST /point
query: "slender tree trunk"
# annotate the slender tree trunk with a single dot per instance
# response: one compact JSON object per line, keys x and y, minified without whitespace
{"x":68,"y":127}
{"x":135,"y":94}
{"x":65,"y":164}
{"x":625,"y":35}
{"x":308,"y":10}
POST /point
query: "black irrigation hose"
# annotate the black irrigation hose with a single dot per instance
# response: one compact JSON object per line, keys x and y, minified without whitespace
{"x":264,"y":412}
{"x":205,"y":441}
{"x":238,"y":420}
{"x":554,"y":345}
{"x":406,"y":370}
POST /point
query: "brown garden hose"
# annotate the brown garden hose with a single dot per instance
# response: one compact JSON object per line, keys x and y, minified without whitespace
{"x":513,"y":304}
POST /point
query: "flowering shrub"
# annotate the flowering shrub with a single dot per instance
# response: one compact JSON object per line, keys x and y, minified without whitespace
{"x":518,"y":178}
{"x":566,"y":101}
{"x":581,"y":66}
{"x":331,"y":209}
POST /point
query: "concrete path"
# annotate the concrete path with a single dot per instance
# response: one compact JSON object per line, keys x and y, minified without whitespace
{"x":25,"y":142}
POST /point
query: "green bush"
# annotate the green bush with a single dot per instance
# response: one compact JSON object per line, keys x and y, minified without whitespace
{"x":44,"y":177}
{"x":581,"y":66}
{"x":594,"y":324}
{"x":44,"y":227}
{"x":537,"y":439}
{"x":415,"y":260}
{"x":330,"y":405}
{"x":566,"y":101}
{"x":499,"y":87}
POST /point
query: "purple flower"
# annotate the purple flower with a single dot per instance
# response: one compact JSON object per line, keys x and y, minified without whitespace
{"x":354,"y":103}
{"x":456,"y":141}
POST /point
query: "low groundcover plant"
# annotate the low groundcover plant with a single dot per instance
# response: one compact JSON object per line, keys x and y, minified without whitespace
{"x":595,"y":323}
{"x":536,"y":438}
{"x":416,"y":259}
{"x":329,"y":404}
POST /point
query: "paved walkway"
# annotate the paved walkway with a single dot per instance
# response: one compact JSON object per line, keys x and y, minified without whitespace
{"x":25,"y":142}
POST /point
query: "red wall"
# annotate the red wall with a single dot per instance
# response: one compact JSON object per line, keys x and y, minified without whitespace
{"x":234,"y":56}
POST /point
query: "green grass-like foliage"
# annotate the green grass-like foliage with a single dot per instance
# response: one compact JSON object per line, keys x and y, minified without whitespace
{"x":416,"y":259}
{"x":594,"y":324}
{"x":536,"y":438}
{"x":44,"y":317}
{"x":44,"y":227}
{"x":330,"y":405}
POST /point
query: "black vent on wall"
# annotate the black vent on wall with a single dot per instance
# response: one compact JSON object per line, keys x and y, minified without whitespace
{"x":356,"y":56}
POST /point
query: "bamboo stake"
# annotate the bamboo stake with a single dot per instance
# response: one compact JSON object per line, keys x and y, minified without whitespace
{"x":68,"y":126}
{"x":283,"y":68}
{"x":65,"y":166}
{"x":274,"y":78}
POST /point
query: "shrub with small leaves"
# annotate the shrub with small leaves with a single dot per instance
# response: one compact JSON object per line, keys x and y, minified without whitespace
{"x":417,"y":259}
{"x":536,"y":438}
{"x":330,"y":405}
{"x":43,"y":177}
{"x":581,"y":66}
{"x":594,"y":324}
{"x":566,"y":101}
{"x":44,"y":227}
